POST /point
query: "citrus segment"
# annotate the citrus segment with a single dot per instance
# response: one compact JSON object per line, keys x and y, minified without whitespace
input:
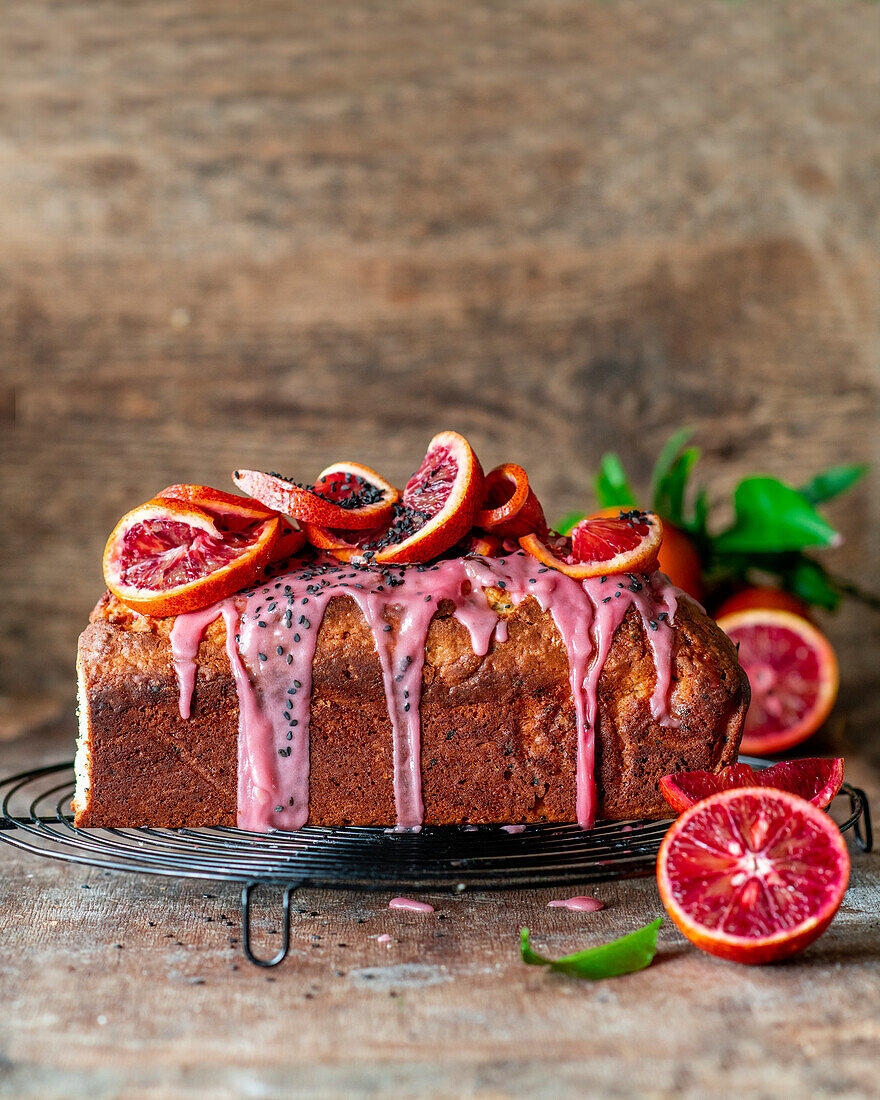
{"x":818,"y":781}
{"x":600,"y":546}
{"x":752,"y":874}
{"x":169,"y":556}
{"x":793,"y":674}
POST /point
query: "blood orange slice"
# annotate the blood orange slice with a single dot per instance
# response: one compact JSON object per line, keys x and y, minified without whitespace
{"x":169,"y":556}
{"x":818,"y":781}
{"x":510,"y":507}
{"x":601,"y":545}
{"x":793,"y":674}
{"x":234,"y":513}
{"x":436,"y":509}
{"x":347,"y":496}
{"x":753,"y":874}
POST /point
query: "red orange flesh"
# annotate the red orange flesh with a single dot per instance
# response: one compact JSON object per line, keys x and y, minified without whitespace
{"x":793,"y":674}
{"x":753,"y":874}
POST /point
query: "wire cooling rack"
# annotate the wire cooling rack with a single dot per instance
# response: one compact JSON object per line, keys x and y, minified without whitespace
{"x":35,"y":816}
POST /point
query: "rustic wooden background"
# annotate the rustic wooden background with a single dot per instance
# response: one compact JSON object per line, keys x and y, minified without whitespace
{"x":276,"y":234}
{"x":279,"y":233}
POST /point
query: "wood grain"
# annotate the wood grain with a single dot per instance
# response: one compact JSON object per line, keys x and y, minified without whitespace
{"x":278,"y":234}
{"x":117,"y":986}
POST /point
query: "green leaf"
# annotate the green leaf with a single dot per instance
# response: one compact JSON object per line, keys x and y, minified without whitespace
{"x":568,"y":521}
{"x":623,"y":956}
{"x":669,"y":492}
{"x":809,"y":582}
{"x":612,"y":487}
{"x":772,"y":517}
{"x":832,"y":482}
{"x":701,"y":513}
{"x":666,"y":459}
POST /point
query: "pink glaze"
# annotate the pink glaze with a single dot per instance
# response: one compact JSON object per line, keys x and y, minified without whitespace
{"x":408,"y":903}
{"x":272,"y":633}
{"x":581,"y":904}
{"x":384,"y":938}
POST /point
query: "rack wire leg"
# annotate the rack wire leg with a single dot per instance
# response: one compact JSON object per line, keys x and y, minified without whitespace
{"x":246,"y":894}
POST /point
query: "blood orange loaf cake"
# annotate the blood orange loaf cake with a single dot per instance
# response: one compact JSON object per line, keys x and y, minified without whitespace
{"x":476,"y":660}
{"x":435,"y":655}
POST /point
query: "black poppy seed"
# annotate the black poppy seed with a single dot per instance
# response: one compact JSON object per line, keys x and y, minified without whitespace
{"x":279,"y":650}
{"x":262,"y":656}
{"x":663,"y":616}
{"x":406,"y":706}
{"x":617,"y":595}
{"x":278,"y":809}
{"x":652,"y":624}
{"x":397,"y":679}
{"x":545,"y":569}
{"x":287,"y":716}
{"x":271,"y":607}
{"x":285,"y":752}
{"x":297,"y":684}
{"x":294,"y":722}
{"x":607,"y":599}
{"x":406,"y":695}
{"x":296,"y":637}
{"x":289,"y":658}
{"x":387,"y":628}
{"x":602,"y":580}
{"x":533,"y":580}
{"x":289,"y":736}
{"x":427,"y":599}
{"x":261,"y":623}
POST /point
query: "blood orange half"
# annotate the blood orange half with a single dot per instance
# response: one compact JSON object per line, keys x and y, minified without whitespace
{"x":436,"y":509}
{"x":793,"y":673}
{"x":818,"y":781}
{"x":601,"y":545}
{"x":753,"y":874}
{"x":169,"y":556}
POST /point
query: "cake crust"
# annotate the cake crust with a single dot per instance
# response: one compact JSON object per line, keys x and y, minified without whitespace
{"x":498,"y":731}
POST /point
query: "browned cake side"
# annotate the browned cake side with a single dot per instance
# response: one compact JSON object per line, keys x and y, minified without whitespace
{"x":498,"y":732}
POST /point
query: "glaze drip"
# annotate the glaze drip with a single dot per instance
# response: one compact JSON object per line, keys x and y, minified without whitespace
{"x":271,"y":636}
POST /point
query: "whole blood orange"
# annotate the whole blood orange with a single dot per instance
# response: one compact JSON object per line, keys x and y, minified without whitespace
{"x":753,"y":874}
{"x":793,"y":674}
{"x":601,"y":545}
{"x":169,"y":556}
{"x":816,"y":780}
{"x":763,"y":596}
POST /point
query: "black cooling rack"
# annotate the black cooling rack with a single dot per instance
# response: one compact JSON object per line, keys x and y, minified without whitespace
{"x":35,"y":816}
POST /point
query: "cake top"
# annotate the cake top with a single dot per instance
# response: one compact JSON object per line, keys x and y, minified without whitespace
{"x":191,"y":545}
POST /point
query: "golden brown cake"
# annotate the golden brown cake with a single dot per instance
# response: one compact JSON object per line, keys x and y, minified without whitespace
{"x":541,"y":699}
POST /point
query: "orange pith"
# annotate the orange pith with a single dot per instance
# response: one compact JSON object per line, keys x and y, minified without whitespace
{"x":793,"y":673}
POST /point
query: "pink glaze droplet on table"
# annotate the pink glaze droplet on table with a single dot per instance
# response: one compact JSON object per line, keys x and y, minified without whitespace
{"x":513,"y":829}
{"x":408,"y":903}
{"x":580,"y":904}
{"x":384,"y":938}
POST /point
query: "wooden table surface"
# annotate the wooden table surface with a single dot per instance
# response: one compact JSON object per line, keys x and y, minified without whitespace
{"x":119,"y":986}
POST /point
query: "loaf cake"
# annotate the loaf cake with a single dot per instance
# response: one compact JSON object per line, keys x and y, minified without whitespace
{"x":472,"y":689}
